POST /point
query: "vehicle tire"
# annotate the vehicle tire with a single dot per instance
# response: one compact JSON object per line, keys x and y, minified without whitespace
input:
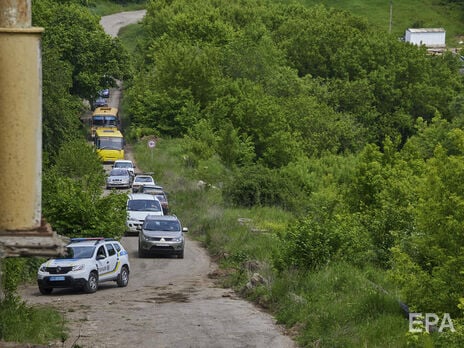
{"x":92,"y":283}
{"x":142,"y":254}
{"x":45,"y":291}
{"x":123,"y":277}
{"x":180,"y":255}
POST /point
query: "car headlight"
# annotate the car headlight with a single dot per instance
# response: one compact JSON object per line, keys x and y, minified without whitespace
{"x":42,"y":268}
{"x":177,"y":240}
{"x":143,"y":236}
{"x":78,"y":267}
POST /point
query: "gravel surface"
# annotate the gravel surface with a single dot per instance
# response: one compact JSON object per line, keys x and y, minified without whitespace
{"x":169,"y":302}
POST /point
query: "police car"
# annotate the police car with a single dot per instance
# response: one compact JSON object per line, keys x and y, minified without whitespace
{"x":89,"y":261}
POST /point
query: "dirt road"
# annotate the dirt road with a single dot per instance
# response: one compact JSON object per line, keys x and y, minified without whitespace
{"x":169,"y":302}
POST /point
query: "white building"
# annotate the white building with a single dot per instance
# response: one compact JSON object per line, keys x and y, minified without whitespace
{"x":430,"y":37}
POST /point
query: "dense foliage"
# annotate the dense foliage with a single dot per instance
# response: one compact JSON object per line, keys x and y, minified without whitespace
{"x":311,"y":109}
{"x":72,"y":195}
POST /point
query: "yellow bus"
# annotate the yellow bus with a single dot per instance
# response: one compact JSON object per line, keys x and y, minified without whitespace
{"x":104,"y":116}
{"x":109,"y":144}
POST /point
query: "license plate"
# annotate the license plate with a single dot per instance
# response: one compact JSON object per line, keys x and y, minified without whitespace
{"x":56,"y":279}
{"x":160,"y":244}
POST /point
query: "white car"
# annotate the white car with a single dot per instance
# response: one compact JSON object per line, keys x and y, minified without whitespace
{"x":139,"y":205}
{"x":126,"y":164}
{"x":89,"y":261}
{"x":140,"y":180}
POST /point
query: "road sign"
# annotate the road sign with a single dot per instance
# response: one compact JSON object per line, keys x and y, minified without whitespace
{"x":151,"y":144}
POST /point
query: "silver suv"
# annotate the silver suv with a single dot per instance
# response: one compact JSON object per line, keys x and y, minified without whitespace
{"x":162,"y":235}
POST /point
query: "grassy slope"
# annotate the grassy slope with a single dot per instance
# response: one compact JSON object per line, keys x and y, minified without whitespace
{"x":337,"y":307}
{"x":406,"y":14}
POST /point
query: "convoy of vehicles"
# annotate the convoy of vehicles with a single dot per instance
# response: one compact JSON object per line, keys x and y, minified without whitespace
{"x":109,"y":144}
{"x":89,"y":261}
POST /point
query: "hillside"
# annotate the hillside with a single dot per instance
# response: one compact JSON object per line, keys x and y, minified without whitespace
{"x":405,"y":14}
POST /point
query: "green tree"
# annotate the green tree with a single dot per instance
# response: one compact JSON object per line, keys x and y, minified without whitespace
{"x":72,"y":195}
{"x":383,"y":192}
{"x":60,"y":110}
{"x":95,"y":58}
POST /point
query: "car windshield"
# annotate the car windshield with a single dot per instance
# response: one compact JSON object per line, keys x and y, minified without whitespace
{"x":143,"y":205}
{"x":143,"y":179}
{"x":119,"y":172}
{"x":160,"y":225}
{"x":104,"y":121}
{"x":110,"y":143}
{"x":123,"y":165}
{"x":151,"y":191}
{"x":161,"y":198}
{"x":79,"y":252}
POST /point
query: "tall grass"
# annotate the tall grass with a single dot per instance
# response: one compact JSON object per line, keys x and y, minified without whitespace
{"x":130,"y":36}
{"x":23,"y":324}
{"x":338,"y":306}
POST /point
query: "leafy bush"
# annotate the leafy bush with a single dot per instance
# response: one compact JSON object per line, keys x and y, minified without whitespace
{"x":72,"y":195}
{"x":254,"y":185}
{"x":317,"y":240}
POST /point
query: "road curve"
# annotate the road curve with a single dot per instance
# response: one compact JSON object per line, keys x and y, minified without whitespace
{"x":113,"y":23}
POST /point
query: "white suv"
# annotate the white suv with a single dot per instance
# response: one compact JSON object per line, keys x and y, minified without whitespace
{"x":139,"y":205}
{"x":88,"y":262}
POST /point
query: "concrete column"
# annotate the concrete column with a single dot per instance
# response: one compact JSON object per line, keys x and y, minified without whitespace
{"x":20,"y":118}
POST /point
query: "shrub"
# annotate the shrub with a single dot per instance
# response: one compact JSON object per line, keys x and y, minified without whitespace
{"x":254,"y":185}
